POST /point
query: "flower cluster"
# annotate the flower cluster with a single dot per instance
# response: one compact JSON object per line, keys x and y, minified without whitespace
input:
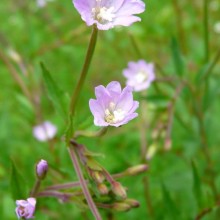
{"x":107,"y":14}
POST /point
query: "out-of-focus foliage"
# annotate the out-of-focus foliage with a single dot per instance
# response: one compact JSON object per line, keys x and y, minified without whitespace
{"x":182,"y":181}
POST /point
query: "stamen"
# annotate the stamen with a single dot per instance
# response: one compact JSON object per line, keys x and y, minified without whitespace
{"x":103,"y":14}
{"x":113,"y":115}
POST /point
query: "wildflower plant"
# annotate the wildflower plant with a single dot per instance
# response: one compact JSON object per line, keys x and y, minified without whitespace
{"x":127,"y":114}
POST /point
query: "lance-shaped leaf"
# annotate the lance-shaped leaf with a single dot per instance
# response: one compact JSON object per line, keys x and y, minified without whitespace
{"x":54,"y":93}
{"x":18,"y":186}
{"x":197,"y":189}
{"x":177,"y":57}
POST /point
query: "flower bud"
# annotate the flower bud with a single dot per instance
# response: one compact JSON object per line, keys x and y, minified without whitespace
{"x":168,"y":144}
{"x":97,"y":176}
{"x":41,"y":169}
{"x":151,"y":152}
{"x":132,"y":202}
{"x":103,"y":189}
{"x":121,"y":207}
{"x":25,"y":208}
{"x":136,"y":169}
{"x":119,"y":190}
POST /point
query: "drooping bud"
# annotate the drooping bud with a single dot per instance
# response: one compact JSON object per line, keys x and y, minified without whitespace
{"x":41,"y":169}
{"x":121,"y":207}
{"x":136,"y":169}
{"x":25,"y":208}
{"x":103,"y":189}
{"x":119,"y":190}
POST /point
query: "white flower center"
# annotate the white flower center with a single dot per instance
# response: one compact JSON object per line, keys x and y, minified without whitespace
{"x":102,"y":14}
{"x":141,"y":76}
{"x":113,"y":115}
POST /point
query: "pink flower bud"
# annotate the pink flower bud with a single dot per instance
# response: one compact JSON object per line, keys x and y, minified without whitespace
{"x":97,"y":176}
{"x":132,"y":202}
{"x":41,"y":169}
{"x":121,"y":207}
{"x":137,"y":169}
{"x":119,"y":190}
{"x":25,"y":208}
{"x":103,"y":189}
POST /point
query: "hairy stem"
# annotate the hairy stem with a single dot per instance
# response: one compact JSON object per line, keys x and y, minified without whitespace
{"x":83,"y":184}
{"x":36,"y":188}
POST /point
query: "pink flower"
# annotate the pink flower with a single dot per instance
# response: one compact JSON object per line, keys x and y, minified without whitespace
{"x":25,"y":208}
{"x":109,"y":13}
{"x":45,"y":131}
{"x":139,"y":75}
{"x":113,"y":106}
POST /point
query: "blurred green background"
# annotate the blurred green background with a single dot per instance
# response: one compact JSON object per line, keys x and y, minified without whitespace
{"x":182,"y":182}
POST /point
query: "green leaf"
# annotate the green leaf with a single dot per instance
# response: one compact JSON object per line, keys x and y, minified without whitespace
{"x":170,"y":204}
{"x":18,"y":186}
{"x":54,"y":93}
{"x":26,"y":106}
{"x":177,"y":57}
{"x":201,"y":73}
{"x":94,"y":165}
{"x":197,"y":188}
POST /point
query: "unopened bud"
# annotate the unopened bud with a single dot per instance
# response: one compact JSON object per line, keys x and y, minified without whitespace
{"x":41,"y":169}
{"x":168,"y":144}
{"x":97,"y":176}
{"x":119,"y":190}
{"x":151,"y":151}
{"x":14,"y":56}
{"x":132,"y":202}
{"x":121,"y":207}
{"x":103,"y":189}
{"x":137,"y":169}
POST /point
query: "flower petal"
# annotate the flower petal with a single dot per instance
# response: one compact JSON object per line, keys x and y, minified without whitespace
{"x":98,"y":112}
{"x":114,"y":86}
{"x":130,"y":7}
{"x":126,"y":20}
{"x":125,"y":101}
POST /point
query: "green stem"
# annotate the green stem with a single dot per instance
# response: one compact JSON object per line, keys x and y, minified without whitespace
{"x":98,"y":133}
{"x":36,"y":188}
{"x":212,"y":65}
{"x":206,"y":30}
{"x":84,"y":71}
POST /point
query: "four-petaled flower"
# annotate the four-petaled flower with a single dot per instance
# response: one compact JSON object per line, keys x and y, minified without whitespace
{"x":45,"y":131}
{"x":139,"y":75}
{"x":25,"y":208}
{"x":113,"y":106}
{"x":109,"y":13}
